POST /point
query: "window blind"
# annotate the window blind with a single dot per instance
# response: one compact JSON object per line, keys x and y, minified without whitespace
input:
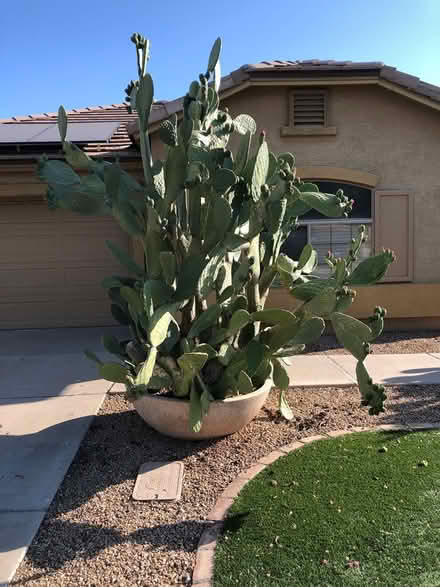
{"x":336,"y":238}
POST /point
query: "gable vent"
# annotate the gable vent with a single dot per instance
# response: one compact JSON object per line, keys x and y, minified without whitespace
{"x":309,"y":107}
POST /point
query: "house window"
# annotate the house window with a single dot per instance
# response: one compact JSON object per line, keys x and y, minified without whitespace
{"x":334,"y":235}
{"x":308,"y":113}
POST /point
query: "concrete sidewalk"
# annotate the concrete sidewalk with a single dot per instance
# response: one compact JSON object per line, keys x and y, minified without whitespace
{"x":50,"y":394}
{"x":330,"y":370}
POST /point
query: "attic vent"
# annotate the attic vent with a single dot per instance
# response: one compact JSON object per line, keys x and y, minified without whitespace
{"x":308,"y":108}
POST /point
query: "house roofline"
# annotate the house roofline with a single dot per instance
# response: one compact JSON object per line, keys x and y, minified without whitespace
{"x":308,"y":73}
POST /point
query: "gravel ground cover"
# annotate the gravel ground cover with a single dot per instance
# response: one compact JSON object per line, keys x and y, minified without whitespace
{"x":392,"y":342}
{"x":94,"y":534}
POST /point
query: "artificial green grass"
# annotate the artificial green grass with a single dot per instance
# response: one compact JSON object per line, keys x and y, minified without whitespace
{"x":363,"y":509}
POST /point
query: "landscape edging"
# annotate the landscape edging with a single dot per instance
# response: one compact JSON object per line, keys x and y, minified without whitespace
{"x":203,"y":573}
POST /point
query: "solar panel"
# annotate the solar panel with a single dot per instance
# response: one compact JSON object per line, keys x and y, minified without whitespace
{"x":18,"y":133}
{"x":77,"y":132}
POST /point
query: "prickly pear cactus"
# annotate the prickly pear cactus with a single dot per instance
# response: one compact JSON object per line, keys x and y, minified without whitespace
{"x":211,"y":223}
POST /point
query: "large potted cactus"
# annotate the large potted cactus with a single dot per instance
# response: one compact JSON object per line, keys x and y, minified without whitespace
{"x":203,"y":352}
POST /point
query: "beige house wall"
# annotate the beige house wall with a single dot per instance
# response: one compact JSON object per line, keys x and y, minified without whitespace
{"x":378,"y":132}
{"x":402,"y":300}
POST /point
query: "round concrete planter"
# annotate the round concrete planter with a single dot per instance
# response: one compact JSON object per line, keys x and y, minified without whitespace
{"x":170,"y":416}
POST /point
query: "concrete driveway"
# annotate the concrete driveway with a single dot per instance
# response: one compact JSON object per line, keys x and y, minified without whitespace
{"x":49,"y":394}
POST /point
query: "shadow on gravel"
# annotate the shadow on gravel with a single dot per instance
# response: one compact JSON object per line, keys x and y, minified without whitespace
{"x":86,"y":541}
{"x":112,"y":452}
{"x":416,"y":403}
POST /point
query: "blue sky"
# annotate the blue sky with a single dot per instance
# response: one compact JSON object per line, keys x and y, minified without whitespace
{"x":78,"y":53}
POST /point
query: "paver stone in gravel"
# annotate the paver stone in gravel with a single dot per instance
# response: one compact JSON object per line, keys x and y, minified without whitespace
{"x":159,"y":481}
{"x":17,"y":530}
{"x":410,"y":369}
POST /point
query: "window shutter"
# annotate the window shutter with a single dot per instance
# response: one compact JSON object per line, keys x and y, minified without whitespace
{"x":309,"y":107}
{"x":394,"y":229}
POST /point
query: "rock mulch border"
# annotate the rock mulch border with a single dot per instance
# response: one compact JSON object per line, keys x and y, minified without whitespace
{"x":203,"y":573}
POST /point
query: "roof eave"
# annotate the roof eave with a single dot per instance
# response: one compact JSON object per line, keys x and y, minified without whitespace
{"x":323,"y":72}
{"x":243,"y":78}
{"x":132,"y":153}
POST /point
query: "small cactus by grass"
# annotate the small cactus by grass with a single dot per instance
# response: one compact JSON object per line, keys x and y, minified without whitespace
{"x":212,"y":223}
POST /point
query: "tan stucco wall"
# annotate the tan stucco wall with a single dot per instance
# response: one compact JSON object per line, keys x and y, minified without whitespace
{"x":401,"y":300}
{"x":379,"y":132}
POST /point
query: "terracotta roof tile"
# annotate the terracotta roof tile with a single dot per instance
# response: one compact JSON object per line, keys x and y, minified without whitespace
{"x":383,"y":71}
{"x":311,"y":64}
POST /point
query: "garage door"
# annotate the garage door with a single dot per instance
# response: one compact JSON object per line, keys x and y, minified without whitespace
{"x":51,"y":267}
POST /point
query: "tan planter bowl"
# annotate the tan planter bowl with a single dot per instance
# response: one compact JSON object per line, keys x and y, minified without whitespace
{"x":170,"y":416}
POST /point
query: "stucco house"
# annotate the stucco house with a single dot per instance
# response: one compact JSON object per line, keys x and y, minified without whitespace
{"x":365,"y":127}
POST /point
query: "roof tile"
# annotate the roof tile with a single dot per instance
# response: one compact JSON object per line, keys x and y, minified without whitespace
{"x":385,"y":72}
